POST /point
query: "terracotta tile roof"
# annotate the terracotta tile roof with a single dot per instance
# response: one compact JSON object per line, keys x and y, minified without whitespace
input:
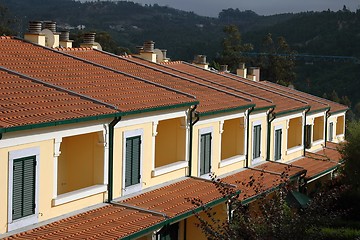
{"x":315,"y":102}
{"x":24,"y":102}
{"x":252,"y":182}
{"x":172,"y":199}
{"x":108,"y":222}
{"x":126,"y":92}
{"x":282,"y":101}
{"x":211,"y":99}
{"x":281,"y":168}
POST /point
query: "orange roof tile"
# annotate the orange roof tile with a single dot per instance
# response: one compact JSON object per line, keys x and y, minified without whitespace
{"x":108,"y":222}
{"x":211,"y":99}
{"x":282,"y":101}
{"x":315,"y":102}
{"x":24,"y":102}
{"x":126,"y":92}
{"x":287,"y":170}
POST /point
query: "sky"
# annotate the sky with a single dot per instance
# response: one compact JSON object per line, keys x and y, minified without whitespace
{"x":262,"y":7}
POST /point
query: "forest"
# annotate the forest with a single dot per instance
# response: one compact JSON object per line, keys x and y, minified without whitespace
{"x":123,"y":25}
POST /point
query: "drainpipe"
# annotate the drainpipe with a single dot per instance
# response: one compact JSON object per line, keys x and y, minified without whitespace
{"x":247,"y":135}
{"x":327,"y":115}
{"x":269,"y":120}
{"x":192,"y":123}
{"x":111,"y":158}
{"x":304,"y":130}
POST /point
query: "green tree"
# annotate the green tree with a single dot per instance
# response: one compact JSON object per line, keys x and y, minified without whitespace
{"x":233,"y":48}
{"x":5,"y":22}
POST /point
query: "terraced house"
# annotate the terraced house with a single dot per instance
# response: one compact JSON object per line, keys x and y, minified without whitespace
{"x":100,"y":146}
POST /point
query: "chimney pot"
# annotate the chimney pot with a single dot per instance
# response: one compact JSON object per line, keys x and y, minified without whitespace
{"x":149,"y":46}
{"x":255,"y":71}
{"x":49,"y":25}
{"x":200,"y":59}
{"x":224,"y":68}
{"x":139,"y":49}
{"x":89,"y":38}
{"x":164,"y":53}
{"x":64,"y":35}
{"x":35,"y":27}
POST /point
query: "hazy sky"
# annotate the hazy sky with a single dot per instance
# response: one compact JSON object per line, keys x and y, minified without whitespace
{"x":263,"y":7}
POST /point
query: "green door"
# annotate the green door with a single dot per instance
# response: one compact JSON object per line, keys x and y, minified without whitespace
{"x":23,"y":192}
{"x":132,"y":161}
{"x":308,"y":136}
{"x":205,"y":153}
{"x":331,"y":131}
{"x":256,"y":141}
{"x":278,"y":135}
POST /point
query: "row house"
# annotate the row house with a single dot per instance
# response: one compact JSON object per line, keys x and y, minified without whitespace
{"x":104,"y":146}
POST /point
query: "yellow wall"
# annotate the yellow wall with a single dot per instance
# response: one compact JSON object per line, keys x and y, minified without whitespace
{"x":80,"y":163}
{"x":295,"y":132}
{"x":340,"y":125}
{"x":233,"y":138}
{"x":170,"y":142}
{"x":318,"y":128}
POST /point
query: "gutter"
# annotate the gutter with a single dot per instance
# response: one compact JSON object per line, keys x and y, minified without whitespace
{"x":192,"y":123}
{"x":327,"y":115}
{"x":111,"y":158}
{"x":269,"y":120}
{"x":247,"y":136}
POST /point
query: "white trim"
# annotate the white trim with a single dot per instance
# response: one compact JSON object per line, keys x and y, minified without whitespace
{"x":169,"y":168}
{"x":129,"y":134}
{"x":287,"y":117}
{"x":254,"y":124}
{"x":258,"y":115}
{"x":201,"y":132}
{"x":231,"y":160}
{"x":57,"y":152}
{"x":15,"y":224}
{"x":317,"y":142}
{"x":211,"y":119}
{"x":294,"y":149}
{"x":79,"y":194}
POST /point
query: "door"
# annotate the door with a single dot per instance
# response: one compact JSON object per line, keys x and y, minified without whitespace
{"x":277,"y":149}
{"x":132,"y":163}
{"x":205,"y":153}
{"x":257,"y":141}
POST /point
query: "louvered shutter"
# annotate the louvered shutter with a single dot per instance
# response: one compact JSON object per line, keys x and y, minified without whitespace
{"x":331,"y":131}
{"x":278,"y":135}
{"x":256,"y":141}
{"x":23,"y":202}
{"x":132,"y":161}
{"x":308,"y":136}
{"x":205,"y":153}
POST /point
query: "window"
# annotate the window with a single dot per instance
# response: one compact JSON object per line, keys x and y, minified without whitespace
{"x":295,"y":133}
{"x":132,"y":161}
{"x":233,"y":138}
{"x":318,"y":129}
{"x":277,"y":149}
{"x":331,"y":131}
{"x":340,"y":125}
{"x":169,"y":232}
{"x":308,"y":136}
{"x":205,"y":153}
{"x":257,"y":141}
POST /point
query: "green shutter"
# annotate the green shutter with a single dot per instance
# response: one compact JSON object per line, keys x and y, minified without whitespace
{"x":278,"y":136}
{"x":256,"y":141}
{"x":331,"y":131}
{"x":132,"y":161}
{"x":205,"y":153}
{"x":23,"y":202}
{"x":308,"y":136}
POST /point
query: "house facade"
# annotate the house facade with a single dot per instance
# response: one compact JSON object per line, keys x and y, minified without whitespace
{"x":118,"y":146}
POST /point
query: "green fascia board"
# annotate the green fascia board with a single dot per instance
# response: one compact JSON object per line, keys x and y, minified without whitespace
{"x":297,"y":175}
{"x":264,"y":108}
{"x":319,"y":110}
{"x":57,"y":123}
{"x":336,"y":112}
{"x":323,"y":173}
{"x":257,"y":196}
{"x":291,"y":111}
{"x":92,"y":118}
{"x":187,"y":104}
{"x":177,"y":218}
{"x":226,"y":110}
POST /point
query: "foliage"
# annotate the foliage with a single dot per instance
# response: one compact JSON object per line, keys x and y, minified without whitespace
{"x":5,"y":21}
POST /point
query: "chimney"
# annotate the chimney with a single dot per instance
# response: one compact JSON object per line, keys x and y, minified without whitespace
{"x":224,"y":68}
{"x":241,"y":71}
{"x":147,"y":52}
{"x":51,"y":36}
{"x":200,"y":61}
{"x":165,"y":59}
{"x":254,"y":74}
{"x":89,"y":41}
{"x":34,"y":34}
{"x":65,"y":41}
{"x":49,"y":25}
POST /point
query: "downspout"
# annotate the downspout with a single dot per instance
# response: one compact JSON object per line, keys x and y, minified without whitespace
{"x":111,"y":158}
{"x":304,"y":130}
{"x":185,"y":223}
{"x":327,"y":115}
{"x":269,"y":120}
{"x":247,"y":135}
{"x":192,"y":123}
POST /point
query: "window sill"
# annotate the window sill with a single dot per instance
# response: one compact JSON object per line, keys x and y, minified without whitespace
{"x":169,"y":168}
{"x":317,"y":142}
{"x":78,"y":194}
{"x":294,"y":149}
{"x":231,"y":160}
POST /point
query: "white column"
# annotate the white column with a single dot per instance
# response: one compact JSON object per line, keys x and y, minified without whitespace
{"x":154,"y":133}
{"x":221,"y":130}
{"x":57,"y":152}
{"x":104,"y":141}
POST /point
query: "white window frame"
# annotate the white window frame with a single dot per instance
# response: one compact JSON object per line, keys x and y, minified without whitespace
{"x":136,"y":187}
{"x":258,"y":159}
{"x":282,"y":133}
{"x":32,"y":219}
{"x":201,"y":132}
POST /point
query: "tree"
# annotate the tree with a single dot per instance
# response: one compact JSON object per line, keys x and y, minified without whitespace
{"x":5,"y":22}
{"x":277,"y":61}
{"x":233,"y":48}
